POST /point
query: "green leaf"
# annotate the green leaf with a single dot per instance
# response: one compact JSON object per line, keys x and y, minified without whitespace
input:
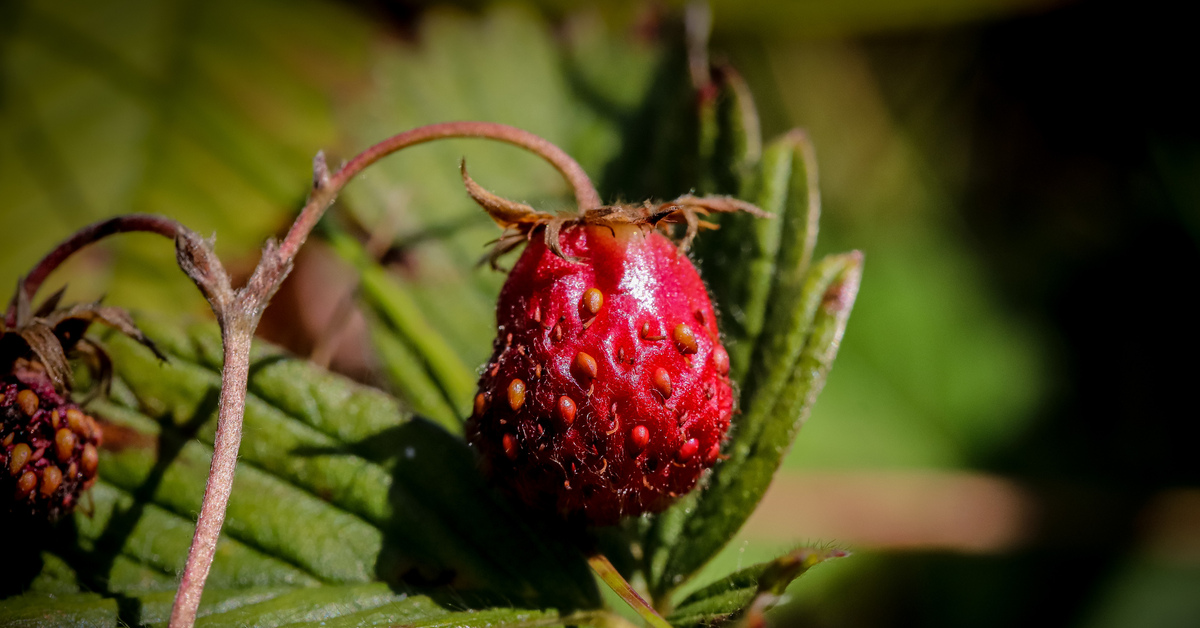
{"x":739,"y":260}
{"x":34,"y":610}
{"x":757,"y":587}
{"x":796,"y":360}
{"x":155,"y":608}
{"x":408,"y":376}
{"x":730,"y":139}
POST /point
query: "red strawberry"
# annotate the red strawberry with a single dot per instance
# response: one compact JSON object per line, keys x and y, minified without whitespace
{"x":607,"y":394}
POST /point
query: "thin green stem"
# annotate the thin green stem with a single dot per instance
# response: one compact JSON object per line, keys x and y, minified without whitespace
{"x":615,"y":581}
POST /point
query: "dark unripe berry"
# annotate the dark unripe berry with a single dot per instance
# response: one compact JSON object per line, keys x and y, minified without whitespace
{"x":47,"y":447}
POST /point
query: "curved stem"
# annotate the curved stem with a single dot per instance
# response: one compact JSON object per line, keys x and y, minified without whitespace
{"x":327,"y":187}
{"x":85,"y":236}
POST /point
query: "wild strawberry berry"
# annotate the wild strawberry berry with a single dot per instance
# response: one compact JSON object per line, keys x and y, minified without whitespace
{"x":607,"y":394}
{"x":48,"y":454}
{"x":49,"y":447}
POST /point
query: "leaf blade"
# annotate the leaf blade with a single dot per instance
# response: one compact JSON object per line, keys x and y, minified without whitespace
{"x":770,"y":424}
{"x":756,"y":587}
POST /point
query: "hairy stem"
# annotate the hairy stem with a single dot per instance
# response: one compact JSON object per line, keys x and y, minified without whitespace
{"x":613,"y":578}
{"x":238,"y":313}
{"x":80,"y":239}
{"x":232,"y":407}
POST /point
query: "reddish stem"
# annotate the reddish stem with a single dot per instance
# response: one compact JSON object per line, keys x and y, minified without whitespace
{"x":85,"y":236}
{"x":585,"y":193}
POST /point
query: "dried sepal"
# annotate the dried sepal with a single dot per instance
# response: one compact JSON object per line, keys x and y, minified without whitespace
{"x":51,"y":303}
{"x":520,"y":220}
{"x":508,"y":214}
{"x":50,"y":334}
{"x":78,"y":317}
{"x":553,"y":242}
{"x":689,"y":208}
{"x":45,"y":346}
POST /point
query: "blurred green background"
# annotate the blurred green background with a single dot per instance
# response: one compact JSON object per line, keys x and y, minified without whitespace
{"x":1004,"y":438}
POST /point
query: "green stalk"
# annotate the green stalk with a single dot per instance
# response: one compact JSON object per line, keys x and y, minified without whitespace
{"x":621,"y":587}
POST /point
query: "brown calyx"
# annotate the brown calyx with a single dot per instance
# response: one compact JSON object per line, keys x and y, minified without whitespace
{"x":520,"y":220}
{"x":41,"y":339}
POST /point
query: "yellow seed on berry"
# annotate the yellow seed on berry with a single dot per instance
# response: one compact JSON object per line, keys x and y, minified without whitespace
{"x":75,"y":421}
{"x":64,"y":443}
{"x":93,"y":428}
{"x":720,"y":359}
{"x":28,"y":400}
{"x":90,"y":459}
{"x":585,"y":365}
{"x":510,"y":446}
{"x":592,"y":301}
{"x":685,"y":340}
{"x":51,"y":479}
{"x":26,"y":484}
{"x":516,"y":394}
{"x":662,"y":382}
{"x":566,"y":410}
{"x":19,"y":456}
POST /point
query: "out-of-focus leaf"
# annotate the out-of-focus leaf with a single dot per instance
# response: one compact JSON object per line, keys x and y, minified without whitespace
{"x":738,"y":591}
{"x":1149,"y":592}
{"x":940,"y":369}
{"x":409,"y":378}
{"x":207,"y":112}
{"x":830,"y":18}
{"x":405,"y":333}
